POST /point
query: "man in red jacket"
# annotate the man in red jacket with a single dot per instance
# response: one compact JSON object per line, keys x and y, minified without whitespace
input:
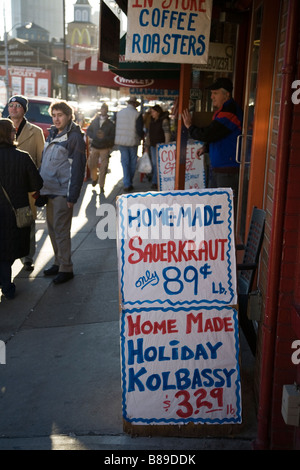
{"x":220,"y":135}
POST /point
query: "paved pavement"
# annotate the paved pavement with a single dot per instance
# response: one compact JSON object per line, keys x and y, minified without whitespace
{"x":61,"y":385}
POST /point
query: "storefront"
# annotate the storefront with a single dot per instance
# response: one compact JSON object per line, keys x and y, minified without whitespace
{"x":264,"y":36}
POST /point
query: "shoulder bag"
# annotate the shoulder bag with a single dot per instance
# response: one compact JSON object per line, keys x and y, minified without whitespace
{"x":24,"y":215}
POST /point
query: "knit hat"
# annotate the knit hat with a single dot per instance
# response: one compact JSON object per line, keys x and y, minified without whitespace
{"x":20,"y":99}
{"x":222,"y":82}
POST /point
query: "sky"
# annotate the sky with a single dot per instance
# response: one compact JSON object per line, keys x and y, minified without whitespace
{"x":5,"y":9}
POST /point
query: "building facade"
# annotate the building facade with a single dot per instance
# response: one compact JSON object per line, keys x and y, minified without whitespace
{"x":48,"y":15}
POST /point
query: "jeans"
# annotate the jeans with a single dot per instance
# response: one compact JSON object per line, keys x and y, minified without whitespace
{"x":128,"y":161}
{"x":154,"y":165}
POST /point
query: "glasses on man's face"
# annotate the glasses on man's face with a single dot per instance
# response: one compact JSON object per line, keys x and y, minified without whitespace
{"x":15,"y":105}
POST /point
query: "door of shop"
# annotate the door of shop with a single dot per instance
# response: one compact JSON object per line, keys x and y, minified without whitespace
{"x":253,"y":144}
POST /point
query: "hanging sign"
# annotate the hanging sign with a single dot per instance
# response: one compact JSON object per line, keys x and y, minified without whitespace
{"x":194,"y":166}
{"x":176,"y":248}
{"x":168,"y":30}
{"x":181,"y":366}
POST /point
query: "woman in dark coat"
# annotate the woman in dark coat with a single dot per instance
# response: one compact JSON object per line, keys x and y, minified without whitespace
{"x":18,"y":176}
{"x":159,"y":133}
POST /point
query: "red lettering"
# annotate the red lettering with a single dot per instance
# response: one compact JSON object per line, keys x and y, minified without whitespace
{"x":148,"y":327}
{"x":131,"y":259}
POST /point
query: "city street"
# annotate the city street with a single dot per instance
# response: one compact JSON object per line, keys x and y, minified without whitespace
{"x":60,"y":388}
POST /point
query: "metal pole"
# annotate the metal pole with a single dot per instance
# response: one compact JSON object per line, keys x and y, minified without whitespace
{"x":6,"y":60}
{"x":65,"y":62}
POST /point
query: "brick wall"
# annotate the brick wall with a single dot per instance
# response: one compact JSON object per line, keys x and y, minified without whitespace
{"x":281,"y":435}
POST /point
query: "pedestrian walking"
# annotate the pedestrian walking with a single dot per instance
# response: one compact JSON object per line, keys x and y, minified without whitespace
{"x":101,"y":131}
{"x":30,"y":138}
{"x":62,"y":169}
{"x":159,"y":133}
{"x":127,"y":139}
{"x":18,"y":177}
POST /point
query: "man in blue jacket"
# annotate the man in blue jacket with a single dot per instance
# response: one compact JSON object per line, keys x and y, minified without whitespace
{"x":220,"y":135}
{"x":62,"y":170}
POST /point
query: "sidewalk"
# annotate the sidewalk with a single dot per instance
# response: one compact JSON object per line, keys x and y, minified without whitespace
{"x":61,"y":385}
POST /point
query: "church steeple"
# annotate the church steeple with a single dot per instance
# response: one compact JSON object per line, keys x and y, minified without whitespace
{"x":82,"y":11}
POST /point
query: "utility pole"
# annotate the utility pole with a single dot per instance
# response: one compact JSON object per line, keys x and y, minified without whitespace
{"x":65,"y":62}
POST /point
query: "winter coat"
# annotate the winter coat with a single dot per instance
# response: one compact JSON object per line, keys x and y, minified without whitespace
{"x":221,"y":135}
{"x":31,"y":139}
{"x":18,"y":175}
{"x":159,"y":130}
{"x":102,"y":137}
{"x":126,"y":133}
{"x":63,"y":163}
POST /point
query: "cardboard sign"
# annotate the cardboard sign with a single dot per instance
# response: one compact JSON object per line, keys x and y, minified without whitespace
{"x":194,"y":166}
{"x":180,"y":366}
{"x":168,"y":31}
{"x":176,"y":248}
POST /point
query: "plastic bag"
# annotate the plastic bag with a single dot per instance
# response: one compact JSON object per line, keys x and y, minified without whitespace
{"x":145,"y":164}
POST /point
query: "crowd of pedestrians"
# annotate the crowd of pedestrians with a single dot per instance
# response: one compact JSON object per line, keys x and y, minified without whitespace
{"x":50,"y":173}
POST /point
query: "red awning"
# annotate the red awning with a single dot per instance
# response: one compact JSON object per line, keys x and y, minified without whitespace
{"x":93,"y":72}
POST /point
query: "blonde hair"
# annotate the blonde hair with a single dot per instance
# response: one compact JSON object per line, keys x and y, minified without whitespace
{"x":6,"y":129}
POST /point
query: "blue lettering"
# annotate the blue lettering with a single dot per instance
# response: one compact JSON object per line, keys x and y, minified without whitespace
{"x":173,"y":19}
{"x":206,"y":374}
{"x":147,"y":43}
{"x":201,"y":50}
{"x":213,"y":349}
{"x":182,"y":379}
{"x":134,"y":379}
{"x":134,"y":217}
{"x":217,"y":376}
{"x":155,"y":42}
{"x":165,"y":377}
{"x":191,"y":21}
{"x":183,"y":45}
{"x":153,"y":382}
{"x":228,"y":374}
{"x":142,"y":22}
{"x":155,"y":17}
{"x":181,"y":20}
{"x":135,"y":352}
{"x":166,"y":41}
{"x":135,"y":43}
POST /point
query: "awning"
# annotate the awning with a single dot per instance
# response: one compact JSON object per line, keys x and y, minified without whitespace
{"x":92,"y":72}
{"x":145,"y":70}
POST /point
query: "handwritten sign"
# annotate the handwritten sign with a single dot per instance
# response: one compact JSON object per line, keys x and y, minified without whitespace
{"x":194,"y":167}
{"x":180,"y":366}
{"x":168,"y":30}
{"x":176,"y":248}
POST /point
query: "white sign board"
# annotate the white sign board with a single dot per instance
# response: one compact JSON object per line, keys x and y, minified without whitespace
{"x":176,"y":248}
{"x":181,"y":366}
{"x":168,"y":30}
{"x":194,"y":166}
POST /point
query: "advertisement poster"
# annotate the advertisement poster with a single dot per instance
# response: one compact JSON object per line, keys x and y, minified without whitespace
{"x":168,"y":31}
{"x":194,"y":166}
{"x":181,"y":366}
{"x":176,"y":248}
